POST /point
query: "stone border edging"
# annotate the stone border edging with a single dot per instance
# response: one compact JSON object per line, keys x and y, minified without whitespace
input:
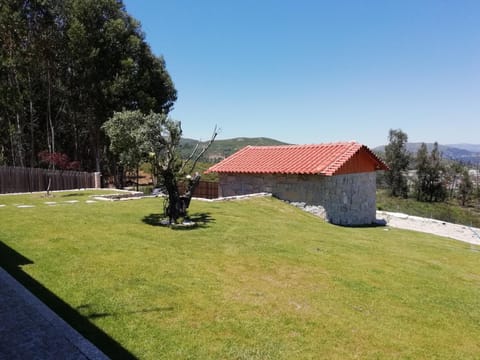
{"x":237,"y":197}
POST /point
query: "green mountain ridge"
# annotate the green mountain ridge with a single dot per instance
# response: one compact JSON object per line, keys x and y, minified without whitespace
{"x":453,"y":152}
{"x":220,"y":149}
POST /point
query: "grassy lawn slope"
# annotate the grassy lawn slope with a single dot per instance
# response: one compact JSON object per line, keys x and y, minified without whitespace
{"x":258,"y":279}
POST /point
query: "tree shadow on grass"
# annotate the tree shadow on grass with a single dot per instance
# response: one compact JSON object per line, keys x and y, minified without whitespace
{"x":11,"y":261}
{"x":70,"y":195}
{"x":91,"y":314}
{"x":201,"y":220}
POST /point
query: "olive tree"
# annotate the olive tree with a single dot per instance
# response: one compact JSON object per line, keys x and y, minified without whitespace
{"x":161,"y":136}
{"x":156,"y":137}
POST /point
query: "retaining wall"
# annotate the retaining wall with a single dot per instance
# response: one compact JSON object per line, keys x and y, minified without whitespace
{"x":346,"y":199}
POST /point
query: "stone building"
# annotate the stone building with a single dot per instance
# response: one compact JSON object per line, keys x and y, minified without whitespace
{"x":338,"y":177}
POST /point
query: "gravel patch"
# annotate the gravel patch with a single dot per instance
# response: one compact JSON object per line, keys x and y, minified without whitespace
{"x":312,"y":209}
{"x":464,"y":233}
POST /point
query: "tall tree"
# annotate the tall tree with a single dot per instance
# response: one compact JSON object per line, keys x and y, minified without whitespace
{"x":397,"y":158}
{"x":465,"y":189}
{"x":422,"y":169}
{"x":430,"y":184}
{"x":112,"y":68}
{"x":30,"y":53}
{"x":65,"y":67}
{"x":453,"y":173}
{"x":14,"y":47}
{"x":438,"y":191}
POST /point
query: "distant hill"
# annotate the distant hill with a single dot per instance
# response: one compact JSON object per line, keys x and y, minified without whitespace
{"x":220,"y":149}
{"x":475,"y":148}
{"x":467,"y":153}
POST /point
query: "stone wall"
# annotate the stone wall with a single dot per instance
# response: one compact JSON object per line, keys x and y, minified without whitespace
{"x":347,"y":199}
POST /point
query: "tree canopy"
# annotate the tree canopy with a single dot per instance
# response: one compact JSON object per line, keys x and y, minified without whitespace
{"x":397,"y":158}
{"x":430,"y":184}
{"x":65,"y":67}
{"x":124,"y":131}
{"x":135,"y":137}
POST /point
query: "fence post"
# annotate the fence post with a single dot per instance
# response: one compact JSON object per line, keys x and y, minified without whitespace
{"x":98,"y":183}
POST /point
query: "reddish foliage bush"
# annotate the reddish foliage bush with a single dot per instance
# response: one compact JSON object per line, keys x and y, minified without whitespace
{"x":59,"y":160}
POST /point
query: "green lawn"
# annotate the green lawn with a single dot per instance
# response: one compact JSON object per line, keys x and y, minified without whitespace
{"x":258,"y":279}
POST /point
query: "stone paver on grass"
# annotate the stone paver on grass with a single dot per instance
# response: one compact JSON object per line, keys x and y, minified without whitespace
{"x":49,"y":203}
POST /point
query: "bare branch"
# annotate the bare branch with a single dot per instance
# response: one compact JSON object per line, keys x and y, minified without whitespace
{"x":204,"y":149}
{"x":191,"y":155}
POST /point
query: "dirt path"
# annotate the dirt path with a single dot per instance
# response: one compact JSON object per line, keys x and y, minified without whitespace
{"x":458,"y":232}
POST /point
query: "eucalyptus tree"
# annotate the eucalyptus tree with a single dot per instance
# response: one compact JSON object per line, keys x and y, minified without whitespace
{"x":453,"y":174}
{"x":430,"y":184}
{"x":65,"y":67}
{"x":112,"y":68}
{"x":421,"y":167}
{"x":31,"y":55}
{"x":397,"y":158}
{"x":13,"y":60}
{"x":465,"y":188}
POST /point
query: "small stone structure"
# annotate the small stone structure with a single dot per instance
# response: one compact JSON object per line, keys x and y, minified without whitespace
{"x":338,"y":177}
{"x":346,"y":199}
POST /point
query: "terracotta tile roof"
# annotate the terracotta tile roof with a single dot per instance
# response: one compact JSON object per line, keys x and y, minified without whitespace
{"x":323,"y":159}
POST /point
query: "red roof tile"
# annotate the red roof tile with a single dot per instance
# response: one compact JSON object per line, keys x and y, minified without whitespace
{"x":323,"y":159}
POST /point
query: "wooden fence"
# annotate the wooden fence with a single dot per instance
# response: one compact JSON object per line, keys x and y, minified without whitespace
{"x":17,"y":179}
{"x":205,"y":189}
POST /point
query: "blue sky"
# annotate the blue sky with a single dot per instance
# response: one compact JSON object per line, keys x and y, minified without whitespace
{"x":306,"y":71}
